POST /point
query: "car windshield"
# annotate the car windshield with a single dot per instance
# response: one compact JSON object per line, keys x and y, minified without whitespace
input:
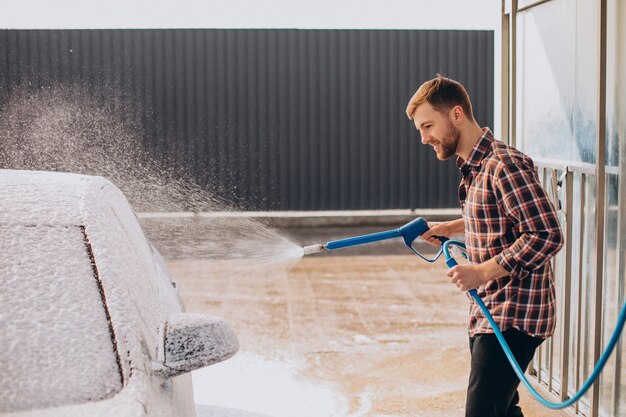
{"x":57,"y":346}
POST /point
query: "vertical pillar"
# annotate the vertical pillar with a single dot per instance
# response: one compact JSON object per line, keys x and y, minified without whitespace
{"x":600,"y":202}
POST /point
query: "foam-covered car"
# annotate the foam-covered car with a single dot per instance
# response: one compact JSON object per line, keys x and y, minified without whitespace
{"x":90,"y":322}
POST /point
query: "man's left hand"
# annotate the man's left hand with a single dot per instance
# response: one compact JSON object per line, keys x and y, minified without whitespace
{"x":467,"y":277}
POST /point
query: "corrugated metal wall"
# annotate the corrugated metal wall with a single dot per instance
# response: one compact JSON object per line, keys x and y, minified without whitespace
{"x":275,"y":119}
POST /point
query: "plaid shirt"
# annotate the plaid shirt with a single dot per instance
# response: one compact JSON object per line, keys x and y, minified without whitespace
{"x":508,"y":217}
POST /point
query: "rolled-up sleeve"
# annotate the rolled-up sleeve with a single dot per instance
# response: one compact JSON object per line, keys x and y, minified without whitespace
{"x":526,"y":204}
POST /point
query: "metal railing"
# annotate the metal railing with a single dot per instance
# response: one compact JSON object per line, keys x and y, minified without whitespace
{"x":563,"y":363}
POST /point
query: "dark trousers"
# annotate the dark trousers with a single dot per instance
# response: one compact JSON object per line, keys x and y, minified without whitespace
{"x":492,"y":389}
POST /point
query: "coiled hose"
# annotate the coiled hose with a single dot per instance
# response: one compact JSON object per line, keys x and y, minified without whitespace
{"x":451,"y":262}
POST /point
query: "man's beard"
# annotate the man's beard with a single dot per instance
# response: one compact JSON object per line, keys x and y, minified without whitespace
{"x":449,"y":142}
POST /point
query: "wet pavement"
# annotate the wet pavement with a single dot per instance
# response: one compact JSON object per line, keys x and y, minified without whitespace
{"x":378,"y":331}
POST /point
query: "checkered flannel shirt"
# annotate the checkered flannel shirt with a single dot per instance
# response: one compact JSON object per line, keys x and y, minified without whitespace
{"x":509,"y":217}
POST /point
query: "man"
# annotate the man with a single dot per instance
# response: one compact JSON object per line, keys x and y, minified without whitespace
{"x":511,"y":232}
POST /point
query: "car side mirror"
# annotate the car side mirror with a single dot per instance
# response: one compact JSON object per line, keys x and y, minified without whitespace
{"x":193,"y":341}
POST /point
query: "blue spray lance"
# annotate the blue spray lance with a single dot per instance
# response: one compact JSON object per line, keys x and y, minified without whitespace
{"x":415,"y":228}
{"x":409,"y":232}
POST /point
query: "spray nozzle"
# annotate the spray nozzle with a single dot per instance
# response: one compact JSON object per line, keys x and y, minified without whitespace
{"x":313,"y":249}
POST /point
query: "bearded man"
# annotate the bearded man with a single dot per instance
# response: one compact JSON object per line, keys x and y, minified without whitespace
{"x":511,"y":232}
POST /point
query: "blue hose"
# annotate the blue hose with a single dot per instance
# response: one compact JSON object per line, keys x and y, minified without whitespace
{"x":450,"y":262}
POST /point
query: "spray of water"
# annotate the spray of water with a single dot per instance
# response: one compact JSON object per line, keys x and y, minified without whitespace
{"x":239,"y":246}
{"x":69,"y":129}
{"x":74,"y":129}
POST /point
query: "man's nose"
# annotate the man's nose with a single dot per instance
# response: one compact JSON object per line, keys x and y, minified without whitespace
{"x":424,"y":139}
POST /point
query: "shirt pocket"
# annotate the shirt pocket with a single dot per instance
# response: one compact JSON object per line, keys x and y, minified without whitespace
{"x":481,"y":207}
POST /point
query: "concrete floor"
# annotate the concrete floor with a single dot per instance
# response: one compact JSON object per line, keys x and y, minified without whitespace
{"x":388,"y":330}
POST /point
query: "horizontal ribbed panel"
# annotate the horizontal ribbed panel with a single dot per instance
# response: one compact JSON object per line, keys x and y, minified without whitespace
{"x":275,"y":119}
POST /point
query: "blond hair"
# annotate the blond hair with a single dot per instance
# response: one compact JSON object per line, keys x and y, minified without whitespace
{"x":443,"y":94}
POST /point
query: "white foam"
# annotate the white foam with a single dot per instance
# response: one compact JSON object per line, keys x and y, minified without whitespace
{"x":258,"y":384}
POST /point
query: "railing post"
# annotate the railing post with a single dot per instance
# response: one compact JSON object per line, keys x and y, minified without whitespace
{"x":513,"y":72}
{"x":567,"y":284}
{"x":600,"y":204}
{"x":579,"y":302}
{"x":505,"y":69}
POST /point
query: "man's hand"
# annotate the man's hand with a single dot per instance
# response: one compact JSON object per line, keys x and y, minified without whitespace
{"x":443,"y":229}
{"x":466,"y":277}
{"x":469,"y":277}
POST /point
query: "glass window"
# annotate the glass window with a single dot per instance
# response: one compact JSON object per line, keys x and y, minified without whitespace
{"x":557,"y":80}
{"x":615,"y":80}
{"x":57,"y":348}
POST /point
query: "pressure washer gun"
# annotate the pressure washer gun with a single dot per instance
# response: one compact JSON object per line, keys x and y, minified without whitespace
{"x":409,"y":232}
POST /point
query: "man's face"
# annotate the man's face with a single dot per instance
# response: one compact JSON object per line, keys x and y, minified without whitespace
{"x":436,"y":130}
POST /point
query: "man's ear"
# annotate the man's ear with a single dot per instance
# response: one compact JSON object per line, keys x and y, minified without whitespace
{"x":456,"y":114}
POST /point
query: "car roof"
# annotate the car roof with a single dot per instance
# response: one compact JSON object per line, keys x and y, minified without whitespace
{"x":42,"y":197}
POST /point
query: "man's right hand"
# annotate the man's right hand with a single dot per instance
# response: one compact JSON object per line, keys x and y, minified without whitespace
{"x":442,"y":229}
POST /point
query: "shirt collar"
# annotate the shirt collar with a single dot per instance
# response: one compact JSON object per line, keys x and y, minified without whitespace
{"x":478,"y":151}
